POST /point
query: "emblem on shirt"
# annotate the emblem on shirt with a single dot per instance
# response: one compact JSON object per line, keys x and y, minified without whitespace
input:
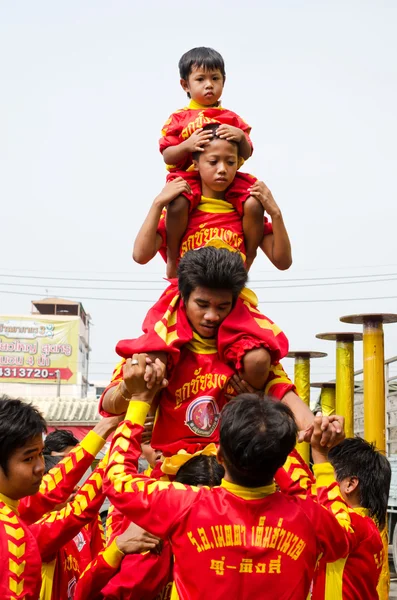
{"x":79,"y":540}
{"x":202,"y":416}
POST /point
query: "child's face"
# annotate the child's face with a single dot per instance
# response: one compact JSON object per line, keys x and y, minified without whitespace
{"x":25,"y":470}
{"x":204,"y":87}
{"x":217,"y":165}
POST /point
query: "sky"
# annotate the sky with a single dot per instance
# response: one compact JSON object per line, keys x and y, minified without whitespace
{"x":85,"y":89}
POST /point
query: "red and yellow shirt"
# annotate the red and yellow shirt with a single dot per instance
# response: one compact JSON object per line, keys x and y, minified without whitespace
{"x":185,"y":121}
{"x":228,"y":540}
{"x":20,"y":562}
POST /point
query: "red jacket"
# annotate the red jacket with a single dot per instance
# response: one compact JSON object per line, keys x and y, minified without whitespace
{"x":182,"y":123}
{"x":229,"y":540}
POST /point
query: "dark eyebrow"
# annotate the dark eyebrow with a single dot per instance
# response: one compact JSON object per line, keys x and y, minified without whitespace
{"x":31,"y":450}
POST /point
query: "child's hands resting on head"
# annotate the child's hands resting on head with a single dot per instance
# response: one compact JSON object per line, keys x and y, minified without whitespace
{"x":230,"y":133}
{"x":198,"y":140}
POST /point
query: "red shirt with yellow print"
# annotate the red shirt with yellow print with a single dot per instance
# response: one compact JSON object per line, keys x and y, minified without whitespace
{"x":227,"y":541}
{"x":213,"y":223}
{"x":182,"y":123}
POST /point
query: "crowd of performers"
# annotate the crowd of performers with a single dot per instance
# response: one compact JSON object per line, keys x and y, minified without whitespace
{"x":226,"y":507}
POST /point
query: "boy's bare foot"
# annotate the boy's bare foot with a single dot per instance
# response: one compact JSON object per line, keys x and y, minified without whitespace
{"x":171,"y":269}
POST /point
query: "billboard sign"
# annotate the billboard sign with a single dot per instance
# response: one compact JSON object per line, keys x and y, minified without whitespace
{"x":38,"y":349}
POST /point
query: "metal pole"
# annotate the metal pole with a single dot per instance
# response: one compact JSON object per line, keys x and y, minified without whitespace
{"x":302,"y":383}
{"x":345,"y":384}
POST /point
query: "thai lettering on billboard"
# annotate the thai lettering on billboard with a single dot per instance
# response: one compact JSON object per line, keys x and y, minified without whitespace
{"x":39,"y":349}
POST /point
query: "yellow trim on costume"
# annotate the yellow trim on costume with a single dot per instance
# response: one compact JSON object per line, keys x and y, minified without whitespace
{"x":172,"y":464}
{"x":12,"y":504}
{"x":113,"y":555}
{"x":47,"y":578}
{"x":92,"y":443}
{"x":324,"y":474}
{"x":196,"y":106}
{"x":170,"y":317}
{"x":199,"y":345}
{"x":334,"y":579}
{"x":215,"y":205}
{"x":249,"y":296}
{"x":137,"y":412}
{"x":174,"y":592}
{"x":249,"y":493}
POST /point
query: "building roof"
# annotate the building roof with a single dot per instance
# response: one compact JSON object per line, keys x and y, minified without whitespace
{"x":66,"y":410}
{"x":56,"y":301}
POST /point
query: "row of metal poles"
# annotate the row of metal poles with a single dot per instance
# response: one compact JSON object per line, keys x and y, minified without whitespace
{"x":337,"y":397}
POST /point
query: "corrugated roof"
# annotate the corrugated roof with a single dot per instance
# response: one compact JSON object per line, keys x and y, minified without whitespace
{"x":66,"y":410}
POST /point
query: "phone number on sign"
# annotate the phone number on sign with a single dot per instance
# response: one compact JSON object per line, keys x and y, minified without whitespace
{"x":22,"y":373}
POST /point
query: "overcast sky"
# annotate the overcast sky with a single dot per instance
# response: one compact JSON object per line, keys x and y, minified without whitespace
{"x":85,"y":89}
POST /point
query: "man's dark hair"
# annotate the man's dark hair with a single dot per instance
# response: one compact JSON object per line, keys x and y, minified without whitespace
{"x":354,"y":457}
{"x":212,"y":268}
{"x":51,"y":461}
{"x":207,"y":58}
{"x":19,"y":423}
{"x":201,"y":470}
{"x":256,"y":436}
{"x":58,"y":440}
{"x":214,"y":128}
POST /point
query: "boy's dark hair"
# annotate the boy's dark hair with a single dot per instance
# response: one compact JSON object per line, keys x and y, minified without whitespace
{"x":213,"y":268}
{"x":256,"y":436}
{"x":51,"y":461}
{"x":201,"y":470}
{"x":207,"y":58}
{"x":58,"y":440}
{"x":19,"y":423}
{"x":214,"y":128}
{"x":354,"y":457}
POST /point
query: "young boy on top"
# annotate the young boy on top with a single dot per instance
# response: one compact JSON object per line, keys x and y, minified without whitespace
{"x":202,"y":72}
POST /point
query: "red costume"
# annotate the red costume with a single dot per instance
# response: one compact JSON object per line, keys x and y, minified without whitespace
{"x":167,"y":329}
{"x":60,"y":544}
{"x":20,"y":563}
{"x":212,"y":223}
{"x":114,"y":576}
{"x":182,"y":123}
{"x":189,"y":407}
{"x":357,"y":575}
{"x":228,"y":540}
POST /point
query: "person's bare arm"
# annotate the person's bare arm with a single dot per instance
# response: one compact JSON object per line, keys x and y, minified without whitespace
{"x":276,"y":245}
{"x":148,"y":241}
{"x":195,"y":143}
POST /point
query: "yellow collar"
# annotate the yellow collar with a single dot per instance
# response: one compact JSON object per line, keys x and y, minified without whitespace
{"x":364,"y":512}
{"x":249,"y":493}
{"x":200,"y":345}
{"x":196,"y":106}
{"x":13,"y":504}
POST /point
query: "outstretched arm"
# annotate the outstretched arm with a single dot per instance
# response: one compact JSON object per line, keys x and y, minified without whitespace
{"x":60,"y":481}
{"x":276,"y":245}
{"x":154,"y":505}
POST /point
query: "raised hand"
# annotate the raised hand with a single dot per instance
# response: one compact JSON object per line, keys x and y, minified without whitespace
{"x":172,"y":190}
